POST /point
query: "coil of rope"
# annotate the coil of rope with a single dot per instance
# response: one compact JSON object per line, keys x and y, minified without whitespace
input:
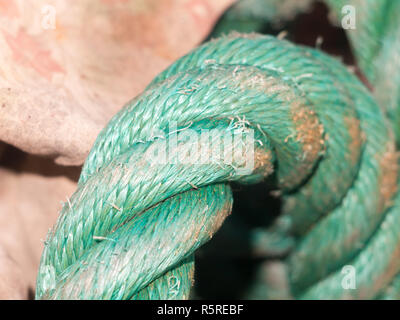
{"x":131,"y":228}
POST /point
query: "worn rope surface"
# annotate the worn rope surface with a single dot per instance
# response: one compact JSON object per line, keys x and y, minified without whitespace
{"x":376,"y":43}
{"x":131,"y":228}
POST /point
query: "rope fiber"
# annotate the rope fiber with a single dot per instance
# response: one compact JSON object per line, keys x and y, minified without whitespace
{"x":131,"y":228}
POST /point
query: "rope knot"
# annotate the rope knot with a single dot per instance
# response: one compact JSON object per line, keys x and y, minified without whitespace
{"x":155,"y":186}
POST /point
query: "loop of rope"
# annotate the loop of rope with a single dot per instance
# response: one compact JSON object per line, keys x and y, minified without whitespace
{"x":132,"y":227}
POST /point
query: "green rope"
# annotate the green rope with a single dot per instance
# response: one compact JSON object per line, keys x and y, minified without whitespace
{"x":376,"y":42}
{"x":132,"y":226}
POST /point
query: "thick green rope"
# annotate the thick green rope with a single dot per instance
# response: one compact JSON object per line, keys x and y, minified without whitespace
{"x":132,"y":226}
{"x":376,"y":42}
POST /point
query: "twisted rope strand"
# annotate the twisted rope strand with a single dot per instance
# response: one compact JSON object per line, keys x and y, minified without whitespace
{"x":132,"y":226}
{"x":376,"y":43}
